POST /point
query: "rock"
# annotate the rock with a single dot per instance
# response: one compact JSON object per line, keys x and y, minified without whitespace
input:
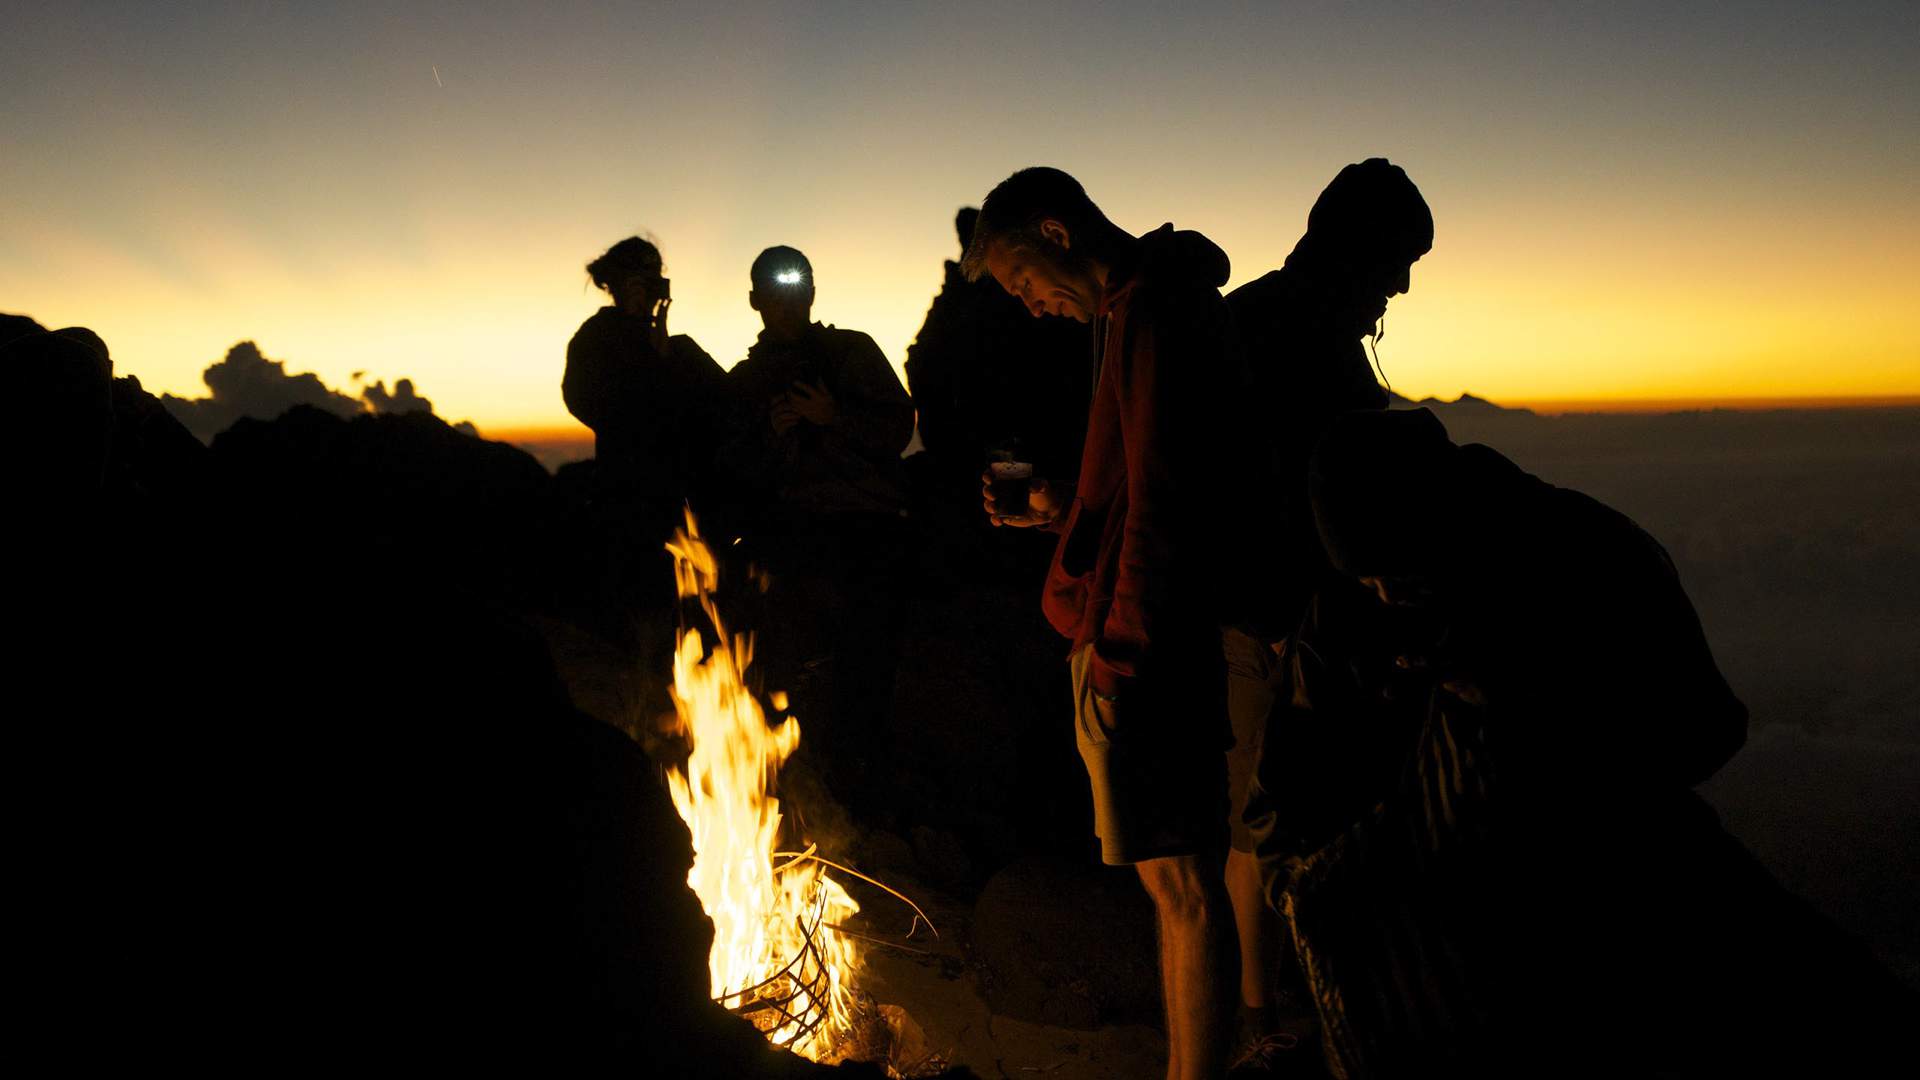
{"x":941,"y":856}
{"x":59,"y":444}
{"x":17,"y":326}
{"x":412,"y":501}
{"x":154,"y":455}
{"x":886,"y":855}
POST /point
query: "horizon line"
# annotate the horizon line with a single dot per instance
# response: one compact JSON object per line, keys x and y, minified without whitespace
{"x":1699,"y":403}
{"x":569,"y":432}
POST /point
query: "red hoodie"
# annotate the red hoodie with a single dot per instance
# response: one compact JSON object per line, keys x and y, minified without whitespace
{"x":1131,"y":575}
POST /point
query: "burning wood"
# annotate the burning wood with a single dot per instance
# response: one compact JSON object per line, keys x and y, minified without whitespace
{"x":776,"y":959}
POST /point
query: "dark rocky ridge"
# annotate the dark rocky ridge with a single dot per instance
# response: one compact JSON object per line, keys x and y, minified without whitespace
{"x":298,"y":639}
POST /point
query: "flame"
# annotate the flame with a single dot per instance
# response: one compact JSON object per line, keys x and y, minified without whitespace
{"x":776,"y":955}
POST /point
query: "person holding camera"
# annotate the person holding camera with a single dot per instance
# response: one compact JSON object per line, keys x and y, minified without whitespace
{"x":655,"y":403}
{"x":653,"y":400}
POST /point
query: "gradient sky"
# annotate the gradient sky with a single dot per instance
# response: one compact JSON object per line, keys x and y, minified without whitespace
{"x":1689,"y":201}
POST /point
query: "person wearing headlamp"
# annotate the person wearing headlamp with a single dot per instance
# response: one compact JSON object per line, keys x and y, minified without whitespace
{"x":820,"y":422}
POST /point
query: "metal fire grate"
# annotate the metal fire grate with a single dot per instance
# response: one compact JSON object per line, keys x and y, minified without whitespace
{"x":770,"y":1003}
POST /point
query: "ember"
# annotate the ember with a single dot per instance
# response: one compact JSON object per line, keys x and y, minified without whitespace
{"x":776,"y":958}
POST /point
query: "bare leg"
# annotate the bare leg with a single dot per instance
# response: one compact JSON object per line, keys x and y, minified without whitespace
{"x":1258,"y":927}
{"x":1197,"y":961}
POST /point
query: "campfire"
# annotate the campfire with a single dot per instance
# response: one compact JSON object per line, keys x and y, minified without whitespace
{"x":779,"y":957}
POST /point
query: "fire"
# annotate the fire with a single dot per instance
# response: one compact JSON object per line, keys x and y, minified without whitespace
{"x":777,"y":957}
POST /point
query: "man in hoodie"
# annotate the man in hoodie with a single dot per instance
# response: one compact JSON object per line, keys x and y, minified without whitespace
{"x":1132,"y":582}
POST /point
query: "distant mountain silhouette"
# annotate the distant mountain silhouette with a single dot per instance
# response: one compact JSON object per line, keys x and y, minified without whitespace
{"x":1464,"y":401}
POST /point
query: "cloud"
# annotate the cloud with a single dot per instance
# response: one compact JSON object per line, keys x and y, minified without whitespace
{"x":246,"y":383}
{"x":402,"y":400}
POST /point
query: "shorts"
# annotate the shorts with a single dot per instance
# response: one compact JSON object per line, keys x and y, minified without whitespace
{"x":1253,"y":682}
{"x":1154,"y":761}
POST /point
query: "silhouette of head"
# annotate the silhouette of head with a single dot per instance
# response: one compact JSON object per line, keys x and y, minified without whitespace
{"x":1042,"y":239}
{"x":963,"y":223}
{"x":632,"y":273}
{"x":782,"y":292}
{"x":1363,"y":236}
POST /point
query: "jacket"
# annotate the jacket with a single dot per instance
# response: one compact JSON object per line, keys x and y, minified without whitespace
{"x":1131,"y":575}
{"x":656,"y":420}
{"x":851,"y":465}
{"x":1305,"y":367}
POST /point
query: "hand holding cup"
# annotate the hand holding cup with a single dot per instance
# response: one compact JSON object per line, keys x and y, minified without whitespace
{"x":1012,"y":495}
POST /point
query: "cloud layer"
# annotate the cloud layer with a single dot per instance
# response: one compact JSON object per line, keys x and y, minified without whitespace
{"x":246,"y":383}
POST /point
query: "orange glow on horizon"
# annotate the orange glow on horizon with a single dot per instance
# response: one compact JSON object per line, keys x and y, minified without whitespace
{"x":1737,"y":404}
{"x":420,"y":199}
{"x":576,"y":437}
{"x":484,"y":336}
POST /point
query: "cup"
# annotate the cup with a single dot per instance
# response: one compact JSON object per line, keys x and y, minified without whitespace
{"x":1012,"y":482}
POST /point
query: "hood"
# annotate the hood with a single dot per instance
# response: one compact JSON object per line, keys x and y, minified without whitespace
{"x":1168,"y":254}
{"x":1371,"y":212}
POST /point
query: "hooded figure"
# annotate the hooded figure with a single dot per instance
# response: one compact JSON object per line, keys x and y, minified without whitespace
{"x":1476,"y":810}
{"x":1301,"y":328}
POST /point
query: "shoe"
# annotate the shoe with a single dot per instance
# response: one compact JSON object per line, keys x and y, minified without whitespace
{"x":1277,"y":1054}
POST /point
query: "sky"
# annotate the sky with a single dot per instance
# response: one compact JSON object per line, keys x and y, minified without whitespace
{"x":1693,"y":202}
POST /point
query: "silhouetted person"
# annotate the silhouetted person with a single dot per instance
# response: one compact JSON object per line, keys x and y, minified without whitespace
{"x":656,"y":405}
{"x":827,"y":417}
{"x":819,"y":425}
{"x":653,"y":400}
{"x":1476,"y":812}
{"x":1301,"y":327}
{"x":986,"y":377}
{"x":1134,"y":582}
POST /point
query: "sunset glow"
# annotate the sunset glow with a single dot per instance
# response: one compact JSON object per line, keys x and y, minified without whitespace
{"x":1724,"y":211}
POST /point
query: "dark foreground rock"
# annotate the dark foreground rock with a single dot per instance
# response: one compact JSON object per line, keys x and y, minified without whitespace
{"x":413,"y":503}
